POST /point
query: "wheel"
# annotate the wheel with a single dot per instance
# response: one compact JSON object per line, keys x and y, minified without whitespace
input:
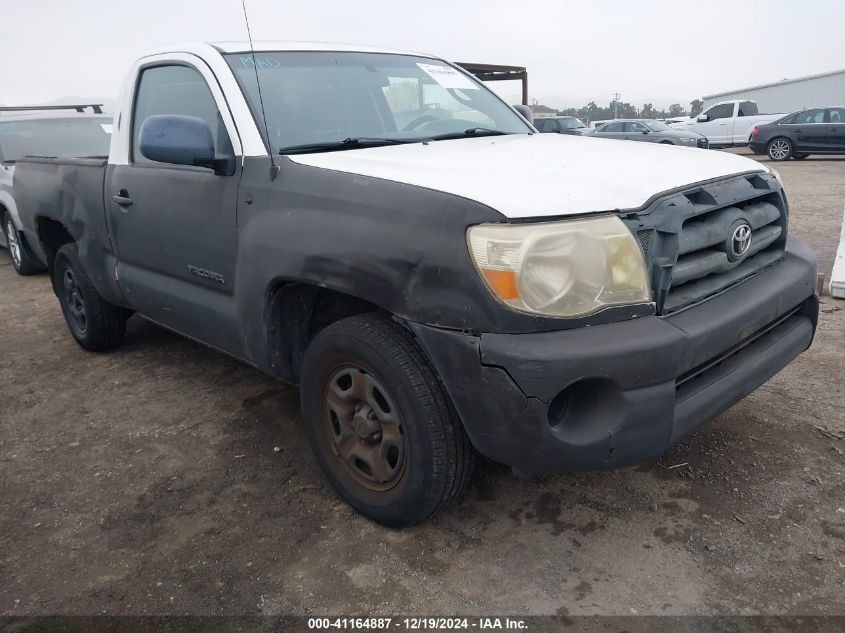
{"x":666,"y":143}
{"x":95,"y":324}
{"x":799,"y":156}
{"x":22,"y":262}
{"x":381,"y":425}
{"x":779,"y":148}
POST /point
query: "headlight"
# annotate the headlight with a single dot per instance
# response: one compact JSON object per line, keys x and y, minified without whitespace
{"x":561,"y":269}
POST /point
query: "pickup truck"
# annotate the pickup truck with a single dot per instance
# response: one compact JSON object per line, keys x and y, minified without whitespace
{"x":438,"y":278}
{"x":728,"y":123}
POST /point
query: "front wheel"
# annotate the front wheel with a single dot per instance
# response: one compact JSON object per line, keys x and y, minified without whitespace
{"x":380,"y":423}
{"x":95,"y":324}
{"x":779,"y":149}
{"x":22,"y":262}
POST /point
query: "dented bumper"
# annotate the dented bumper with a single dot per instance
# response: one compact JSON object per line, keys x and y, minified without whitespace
{"x":622,"y":393}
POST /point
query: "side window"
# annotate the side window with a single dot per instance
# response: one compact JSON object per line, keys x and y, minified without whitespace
{"x":722,"y":111}
{"x":836,"y":115}
{"x":613,"y":127}
{"x":550,"y":125}
{"x":177,"y":90}
{"x":635,"y":127}
{"x":747,"y":108}
{"x":810,"y":116}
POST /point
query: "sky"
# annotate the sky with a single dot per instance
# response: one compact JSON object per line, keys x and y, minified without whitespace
{"x":657,"y":52}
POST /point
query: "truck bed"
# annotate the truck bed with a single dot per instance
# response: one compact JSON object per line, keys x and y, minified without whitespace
{"x":68,"y":191}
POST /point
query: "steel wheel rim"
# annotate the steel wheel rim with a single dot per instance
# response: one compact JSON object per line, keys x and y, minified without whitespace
{"x":13,"y":244}
{"x":363,"y":428}
{"x":74,"y":302}
{"x":779,"y":150}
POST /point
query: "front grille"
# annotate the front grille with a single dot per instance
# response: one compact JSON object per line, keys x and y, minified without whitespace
{"x":687,"y":238}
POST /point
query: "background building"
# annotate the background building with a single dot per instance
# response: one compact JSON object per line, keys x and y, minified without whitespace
{"x":825,"y":89}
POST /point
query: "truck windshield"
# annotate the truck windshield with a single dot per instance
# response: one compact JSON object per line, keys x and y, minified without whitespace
{"x":319,"y":101}
{"x":59,"y":137}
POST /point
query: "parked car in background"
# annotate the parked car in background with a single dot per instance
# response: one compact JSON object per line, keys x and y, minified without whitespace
{"x":728,"y":123}
{"x":813,"y":131}
{"x":560,"y":125}
{"x":42,"y":131}
{"x":649,"y":131}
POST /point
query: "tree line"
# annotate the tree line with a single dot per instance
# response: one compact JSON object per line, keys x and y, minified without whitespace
{"x":624,"y":110}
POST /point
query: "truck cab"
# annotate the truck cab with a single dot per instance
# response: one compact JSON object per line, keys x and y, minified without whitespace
{"x":438,"y":278}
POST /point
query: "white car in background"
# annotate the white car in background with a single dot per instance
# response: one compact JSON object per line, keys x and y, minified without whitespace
{"x":728,"y":123}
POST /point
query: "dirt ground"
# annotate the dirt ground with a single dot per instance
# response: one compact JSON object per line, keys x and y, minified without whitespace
{"x":145,"y":481}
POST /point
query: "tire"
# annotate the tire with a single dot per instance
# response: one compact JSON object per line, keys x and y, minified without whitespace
{"x":380,"y":423}
{"x":95,"y":324}
{"x":666,"y":143}
{"x":22,"y":261}
{"x":799,"y":156}
{"x":779,"y":149}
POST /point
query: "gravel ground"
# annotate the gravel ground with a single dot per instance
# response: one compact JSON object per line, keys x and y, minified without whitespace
{"x":145,"y":481}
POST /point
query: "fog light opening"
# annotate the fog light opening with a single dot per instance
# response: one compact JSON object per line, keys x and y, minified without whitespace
{"x":587,"y":411}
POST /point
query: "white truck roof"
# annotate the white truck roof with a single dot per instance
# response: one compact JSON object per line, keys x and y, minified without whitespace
{"x":263,"y":46}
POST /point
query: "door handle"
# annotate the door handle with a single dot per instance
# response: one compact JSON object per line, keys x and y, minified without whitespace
{"x":122,"y":199}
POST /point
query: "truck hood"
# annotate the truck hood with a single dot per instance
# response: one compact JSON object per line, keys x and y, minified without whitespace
{"x":539,"y":175}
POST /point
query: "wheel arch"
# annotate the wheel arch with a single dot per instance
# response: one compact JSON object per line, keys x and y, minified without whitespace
{"x":295,"y":311}
{"x":52,"y":235}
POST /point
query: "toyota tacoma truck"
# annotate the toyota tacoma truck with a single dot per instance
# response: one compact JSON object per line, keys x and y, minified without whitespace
{"x":438,"y":278}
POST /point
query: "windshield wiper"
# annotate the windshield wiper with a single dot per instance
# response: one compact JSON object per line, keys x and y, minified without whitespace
{"x":347,"y":143}
{"x":473,"y":131}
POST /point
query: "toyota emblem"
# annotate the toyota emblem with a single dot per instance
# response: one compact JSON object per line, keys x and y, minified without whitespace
{"x":740,"y":240}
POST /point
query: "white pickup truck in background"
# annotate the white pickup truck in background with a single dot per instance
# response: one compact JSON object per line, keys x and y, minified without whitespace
{"x":728,"y":123}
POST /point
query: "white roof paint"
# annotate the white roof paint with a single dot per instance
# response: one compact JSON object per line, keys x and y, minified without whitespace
{"x":526,"y":176}
{"x":263,"y":46}
{"x":243,"y":46}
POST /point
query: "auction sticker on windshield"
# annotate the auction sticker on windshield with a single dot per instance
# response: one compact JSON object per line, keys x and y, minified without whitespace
{"x":448,"y":77}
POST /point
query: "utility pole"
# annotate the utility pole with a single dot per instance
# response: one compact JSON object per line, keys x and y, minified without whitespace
{"x":616,"y":96}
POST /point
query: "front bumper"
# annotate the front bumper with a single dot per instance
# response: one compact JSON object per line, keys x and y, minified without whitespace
{"x":622,"y":393}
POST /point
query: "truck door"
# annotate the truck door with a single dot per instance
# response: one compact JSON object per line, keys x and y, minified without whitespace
{"x":174,"y":226}
{"x":718,"y":127}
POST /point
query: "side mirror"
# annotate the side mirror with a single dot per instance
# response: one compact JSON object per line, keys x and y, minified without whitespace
{"x":644,"y":132}
{"x":181,"y":140}
{"x":525,"y":111}
{"x":703,"y":118}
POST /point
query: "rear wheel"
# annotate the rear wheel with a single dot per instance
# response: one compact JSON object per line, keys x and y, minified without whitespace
{"x":779,"y":149}
{"x":380,"y":423}
{"x":95,"y":324}
{"x":22,"y":262}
